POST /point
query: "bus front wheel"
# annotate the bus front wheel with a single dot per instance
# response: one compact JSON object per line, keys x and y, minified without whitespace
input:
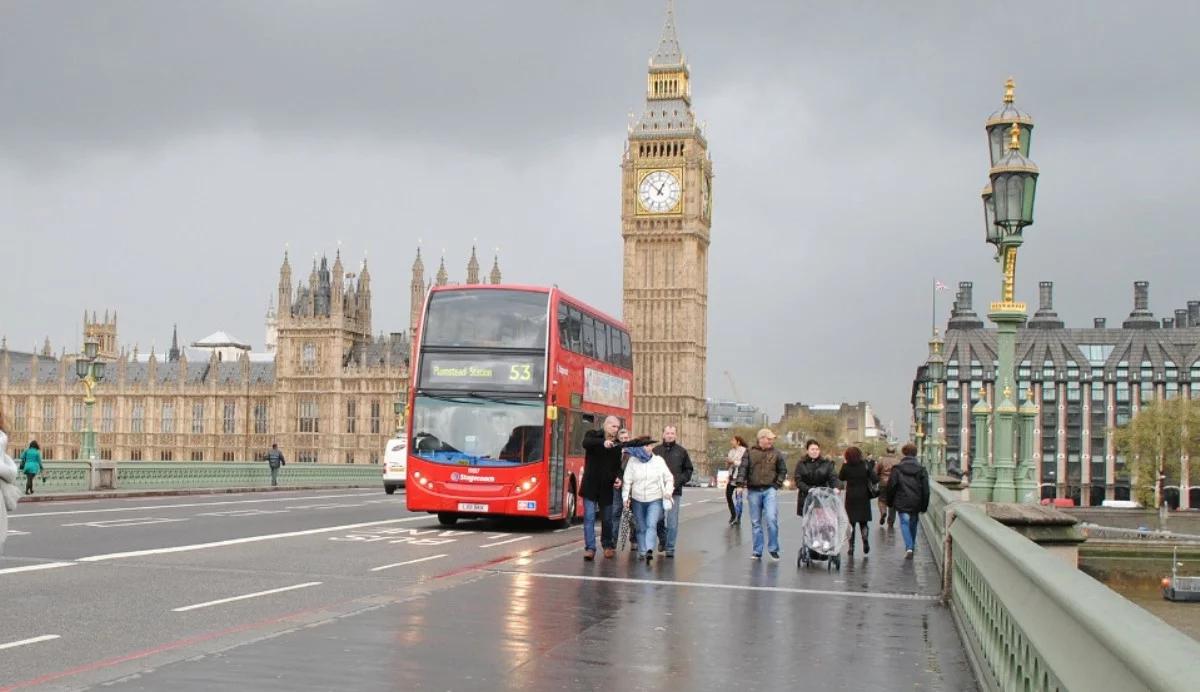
{"x":447,"y":519}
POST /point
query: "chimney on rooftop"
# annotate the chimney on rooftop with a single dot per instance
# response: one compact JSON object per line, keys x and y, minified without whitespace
{"x":1099,"y":323}
{"x":1141,"y":317}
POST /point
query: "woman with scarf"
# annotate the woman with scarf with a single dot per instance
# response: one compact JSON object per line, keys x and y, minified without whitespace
{"x":733,"y":460}
{"x":647,"y":488}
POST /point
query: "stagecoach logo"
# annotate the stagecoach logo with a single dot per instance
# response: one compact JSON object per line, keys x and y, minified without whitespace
{"x":604,"y":389}
{"x":461,"y":478}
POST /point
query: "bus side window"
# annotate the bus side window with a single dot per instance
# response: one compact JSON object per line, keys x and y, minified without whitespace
{"x":601,"y":341}
{"x":614,"y":350}
{"x":627,"y":350}
{"x":563,"y":324}
{"x":589,"y":337}
{"x":580,"y":423}
{"x":575,"y":332}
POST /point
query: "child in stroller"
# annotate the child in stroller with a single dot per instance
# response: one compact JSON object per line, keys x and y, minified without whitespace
{"x":824,"y":528}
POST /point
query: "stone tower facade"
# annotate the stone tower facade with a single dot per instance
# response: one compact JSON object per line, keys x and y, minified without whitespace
{"x":417,"y":290}
{"x":666,"y":210}
{"x":104,"y":332}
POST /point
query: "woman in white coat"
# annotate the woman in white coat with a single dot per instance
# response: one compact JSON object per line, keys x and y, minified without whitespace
{"x":646,"y":489}
{"x":8,"y":476}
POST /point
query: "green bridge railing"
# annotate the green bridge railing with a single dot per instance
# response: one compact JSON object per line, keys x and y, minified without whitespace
{"x":1032,"y":622}
{"x":76,"y":476}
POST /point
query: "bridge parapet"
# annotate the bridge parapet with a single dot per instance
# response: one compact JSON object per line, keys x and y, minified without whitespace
{"x":1031,"y":622}
{"x":77,"y":476}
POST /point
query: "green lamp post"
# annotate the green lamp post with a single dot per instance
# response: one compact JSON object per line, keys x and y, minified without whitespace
{"x":1010,"y":207}
{"x":90,"y":371}
{"x":919,"y":411}
{"x":935,"y":367}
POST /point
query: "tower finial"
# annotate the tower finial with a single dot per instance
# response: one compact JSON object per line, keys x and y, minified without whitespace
{"x":1009,"y":87}
{"x":669,"y":52}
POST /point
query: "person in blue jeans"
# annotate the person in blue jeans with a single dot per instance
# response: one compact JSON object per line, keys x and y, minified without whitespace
{"x":908,"y":494}
{"x":680,"y":463}
{"x":762,"y":472}
{"x":601,"y":464}
{"x":647,"y":490}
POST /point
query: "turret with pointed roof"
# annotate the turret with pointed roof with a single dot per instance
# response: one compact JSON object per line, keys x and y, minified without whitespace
{"x":173,"y":354}
{"x":473,"y":268}
{"x":494,"y":277}
{"x":416,"y":293}
{"x":442,"y":277}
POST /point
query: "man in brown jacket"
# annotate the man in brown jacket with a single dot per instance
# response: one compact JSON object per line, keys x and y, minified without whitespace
{"x":884,"y":468}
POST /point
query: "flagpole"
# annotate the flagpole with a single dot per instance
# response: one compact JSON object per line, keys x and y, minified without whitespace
{"x":933,"y":312}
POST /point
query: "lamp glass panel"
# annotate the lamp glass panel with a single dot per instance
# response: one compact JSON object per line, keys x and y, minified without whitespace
{"x":991,"y":231}
{"x":81,"y":367}
{"x":1029,"y":189}
{"x":1026,"y":139}
{"x":997,"y":141}
{"x":98,"y":370}
{"x":397,"y":407}
{"x":89,"y":348}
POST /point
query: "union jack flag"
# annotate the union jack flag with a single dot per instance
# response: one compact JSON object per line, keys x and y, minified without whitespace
{"x":939,"y":286}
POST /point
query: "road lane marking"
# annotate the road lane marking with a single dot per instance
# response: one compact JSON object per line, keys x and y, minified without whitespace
{"x":511,"y":540}
{"x":243,"y":597}
{"x":183,"y":505}
{"x":731,"y":587}
{"x":128,"y":521}
{"x":35,"y":568}
{"x":32,"y":640}
{"x":409,"y":562}
{"x":246,"y":539}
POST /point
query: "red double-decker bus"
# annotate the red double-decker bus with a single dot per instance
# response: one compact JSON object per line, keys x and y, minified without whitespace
{"x":506,"y":381}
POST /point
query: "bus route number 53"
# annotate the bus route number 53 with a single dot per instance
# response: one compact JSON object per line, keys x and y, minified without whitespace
{"x":520,"y":373}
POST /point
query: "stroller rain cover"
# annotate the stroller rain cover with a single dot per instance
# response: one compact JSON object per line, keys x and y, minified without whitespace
{"x":825,"y":527}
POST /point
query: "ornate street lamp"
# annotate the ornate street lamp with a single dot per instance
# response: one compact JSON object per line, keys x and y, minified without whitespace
{"x":919,"y":411}
{"x":90,"y":372}
{"x":935,"y":368}
{"x":1008,"y":209}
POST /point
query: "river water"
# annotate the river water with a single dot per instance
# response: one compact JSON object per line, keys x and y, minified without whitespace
{"x":1183,"y":616}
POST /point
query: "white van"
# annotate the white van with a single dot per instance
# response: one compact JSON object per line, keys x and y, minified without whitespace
{"x":395,"y":464}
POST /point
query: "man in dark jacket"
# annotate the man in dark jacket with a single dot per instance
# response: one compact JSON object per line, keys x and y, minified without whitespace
{"x":908,"y":494}
{"x":814,"y":471}
{"x":275,"y":460}
{"x":601,"y":466}
{"x":883,"y":468}
{"x":762,"y":472}
{"x":680,"y":463}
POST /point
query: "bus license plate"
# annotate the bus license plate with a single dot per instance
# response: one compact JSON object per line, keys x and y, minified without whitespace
{"x":472,"y":507}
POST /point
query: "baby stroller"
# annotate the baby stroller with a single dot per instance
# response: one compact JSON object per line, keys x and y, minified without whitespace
{"x":824,"y":529}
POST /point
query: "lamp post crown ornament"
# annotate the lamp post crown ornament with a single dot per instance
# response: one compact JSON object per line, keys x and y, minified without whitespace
{"x":1010,"y":86}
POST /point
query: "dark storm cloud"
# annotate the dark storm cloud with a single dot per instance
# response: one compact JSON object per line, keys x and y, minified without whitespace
{"x":198,"y":138}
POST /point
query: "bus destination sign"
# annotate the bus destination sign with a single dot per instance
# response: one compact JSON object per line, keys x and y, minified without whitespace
{"x":482,"y":371}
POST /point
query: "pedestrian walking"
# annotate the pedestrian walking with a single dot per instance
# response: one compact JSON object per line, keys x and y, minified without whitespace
{"x":8,"y":484}
{"x":31,"y":465}
{"x":814,"y":471}
{"x":648,"y":490}
{"x":883,"y":469}
{"x":733,"y":460}
{"x":601,"y":464}
{"x":680,"y":464}
{"x":275,"y":460}
{"x":623,"y":436}
{"x":908,"y":493}
{"x":859,"y":480}
{"x":763,"y":471}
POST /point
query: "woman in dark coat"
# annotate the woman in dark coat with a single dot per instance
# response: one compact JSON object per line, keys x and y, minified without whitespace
{"x":814,"y":471}
{"x":857,"y":478}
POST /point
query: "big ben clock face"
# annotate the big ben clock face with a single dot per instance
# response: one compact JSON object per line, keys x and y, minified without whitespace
{"x":659,"y":192}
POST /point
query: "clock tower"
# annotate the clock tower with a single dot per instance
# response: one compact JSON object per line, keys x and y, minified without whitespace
{"x":666,"y":210}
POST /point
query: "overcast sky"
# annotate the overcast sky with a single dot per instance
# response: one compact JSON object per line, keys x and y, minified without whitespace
{"x":156,"y":157}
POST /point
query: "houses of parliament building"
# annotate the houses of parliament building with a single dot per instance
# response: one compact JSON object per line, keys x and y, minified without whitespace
{"x":324,"y":389}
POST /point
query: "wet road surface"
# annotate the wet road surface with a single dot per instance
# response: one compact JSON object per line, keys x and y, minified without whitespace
{"x":347,"y":590}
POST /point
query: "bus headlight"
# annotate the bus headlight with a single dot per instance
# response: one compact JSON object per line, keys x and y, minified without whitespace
{"x":528,"y":484}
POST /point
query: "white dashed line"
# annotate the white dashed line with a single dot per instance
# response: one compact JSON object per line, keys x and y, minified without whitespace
{"x":35,"y":568}
{"x":243,"y":597}
{"x":511,"y":540}
{"x":33,"y":640}
{"x":409,"y":562}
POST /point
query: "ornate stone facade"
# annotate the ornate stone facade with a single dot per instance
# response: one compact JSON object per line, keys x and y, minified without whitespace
{"x":324,"y":391}
{"x":666,"y":209}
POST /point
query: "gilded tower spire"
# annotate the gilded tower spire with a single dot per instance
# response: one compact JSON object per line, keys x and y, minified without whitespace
{"x":173,"y":354}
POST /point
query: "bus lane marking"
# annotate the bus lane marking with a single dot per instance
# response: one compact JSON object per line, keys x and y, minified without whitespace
{"x":243,"y":597}
{"x":423,"y":537}
{"x":511,"y":540}
{"x":240,"y":541}
{"x":409,"y":562}
{"x":31,"y":640}
{"x":122,"y":523}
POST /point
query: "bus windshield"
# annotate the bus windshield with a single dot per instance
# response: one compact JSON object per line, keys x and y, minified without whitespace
{"x":475,"y":431}
{"x":487,"y":319}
